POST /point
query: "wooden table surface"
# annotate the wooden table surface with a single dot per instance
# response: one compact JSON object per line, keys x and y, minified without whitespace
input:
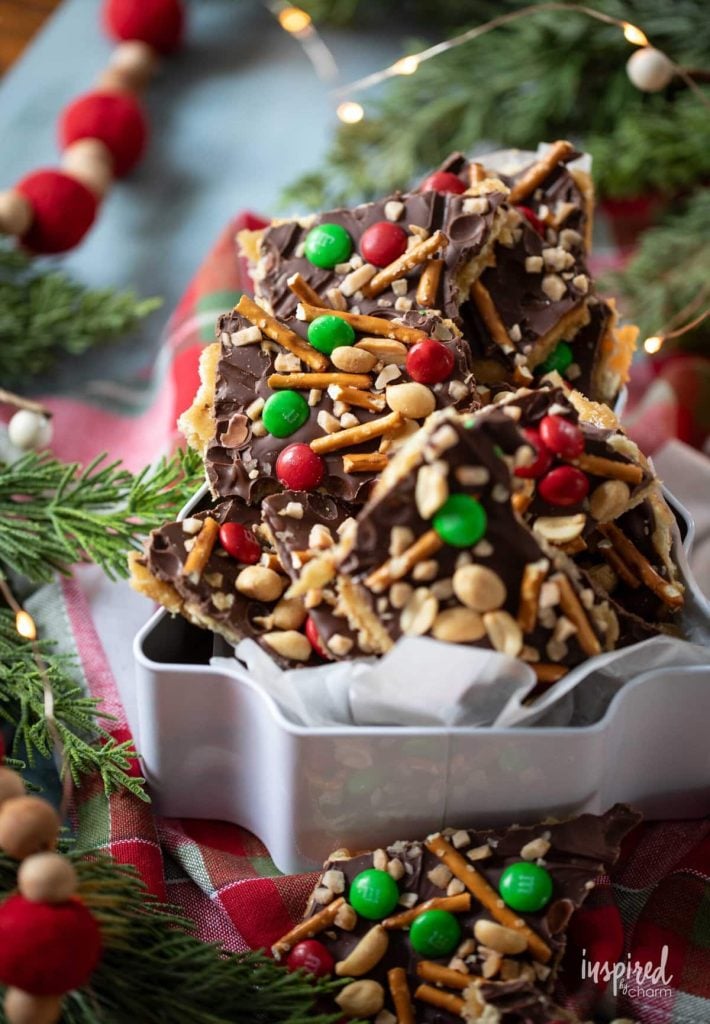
{"x":19,"y":20}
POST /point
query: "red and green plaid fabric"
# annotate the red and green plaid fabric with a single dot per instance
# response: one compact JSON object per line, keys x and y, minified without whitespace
{"x":223,"y":877}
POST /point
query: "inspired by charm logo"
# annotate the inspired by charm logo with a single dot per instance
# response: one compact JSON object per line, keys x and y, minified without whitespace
{"x":632,"y":978}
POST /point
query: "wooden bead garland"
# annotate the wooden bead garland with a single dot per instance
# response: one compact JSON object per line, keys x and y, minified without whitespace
{"x":49,"y":940}
{"x":102,"y":134}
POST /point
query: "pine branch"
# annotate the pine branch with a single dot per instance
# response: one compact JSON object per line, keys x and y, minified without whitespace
{"x":547,"y":76}
{"x":154,"y":970}
{"x":668,"y":272}
{"x":55,"y":514}
{"x":88,"y":748}
{"x":44,"y":313}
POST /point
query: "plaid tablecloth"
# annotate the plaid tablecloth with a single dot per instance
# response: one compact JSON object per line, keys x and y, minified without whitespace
{"x":658,"y":895}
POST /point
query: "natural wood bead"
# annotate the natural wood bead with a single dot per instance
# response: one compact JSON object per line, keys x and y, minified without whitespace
{"x":91,"y":163}
{"x":27,"y":825}
{"x":15,"y":213}
{"x":11,"y":785}
{"x":23,"y":1008}
{"x":47,"y":878}
{"x":135,"y":62}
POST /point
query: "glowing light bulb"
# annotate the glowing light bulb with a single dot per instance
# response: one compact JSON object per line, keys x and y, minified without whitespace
{"x":25,"y":625}
{"x":634,"y":35}
{"x":653,"y":344}
{"x":350,"y":112}
{"x":406,"y":66}
{"x":294,"y":20}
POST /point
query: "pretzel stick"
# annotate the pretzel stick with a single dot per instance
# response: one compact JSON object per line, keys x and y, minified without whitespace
{"x":198,"y":558}
{"x":419,"y":253}
{"x":356,"y":435}
{"x":368,"y":324}
{"x":572,"y":607}
{"x":520,"y":502}
{"x":486,"y":895}
{"x":615,"y":470}
{"x":429,"y":283}
{"x":271,"y":561}
{"x":317,"y":380}
{"x":536,"y":173}
{"x":308,"y":928}
{"x":277,"y":332}
{"x":489,"y":314}
{"x":476,"y":173}
{"x":444,"y":1000}
{"x":367,"y":462}
{"x":398,"y":566}
{"x":362,"y":399}
{"x":620,"y":567}
{"x":454,"y":904}
{"x":534,"y":575}
{"x":669,"y":593}
{"x":302,"y":290}
{"x":428,"y":970}
{"x":399,"y":990}
{"x":547,"y":672}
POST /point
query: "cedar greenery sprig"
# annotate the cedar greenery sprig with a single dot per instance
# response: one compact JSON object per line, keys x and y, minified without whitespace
{"x":669,"y":273}
{"x":546,"y":76}
{"x":155,"y":970}
{"x":54,"y":514}
{"x":87,"y":747}
{"x":44,"y":314}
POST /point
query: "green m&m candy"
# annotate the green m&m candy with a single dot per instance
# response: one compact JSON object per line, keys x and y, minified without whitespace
{"x":285,"y":413}
{"x":559,"y":359}
{"x":328,"y":244}
{"x":525,"y":886}
{"x":461,"y":521}
{"x":435,"y":933}
{"x":373,"y":894}
{"x":326,"y":333}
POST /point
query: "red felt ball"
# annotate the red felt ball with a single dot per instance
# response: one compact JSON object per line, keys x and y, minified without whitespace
{"x":159,"y":23}
{"x":429,"y":362}
{"x":382,"y":243}
{"x":299,"y":468}
{"x":443,"y":181}
{"x":115,"y":118}
{"x":565,"y":485}
{"x":313,"y":637}
{"x":47,"y":949}
{"x":312,"y":956}
{"x":561,"y":436}
{"x":63,"y":211}
{"x":240,"y":543}
{"x":542,"y":460}
{"x":532,"y":218}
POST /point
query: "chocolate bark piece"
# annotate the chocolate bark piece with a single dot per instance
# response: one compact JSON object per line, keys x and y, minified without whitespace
{"x":531,"y":298}
{"x":302,"y":523}
{"x":510,"y":590}
{"x":208,"y":596}
{"x":225,"y":422}
{"x":573,"y":853}
{"x":277,"y":253}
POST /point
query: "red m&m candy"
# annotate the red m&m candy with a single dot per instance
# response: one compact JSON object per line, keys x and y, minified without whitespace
{"x":429,"y":362}
{"x":443,"y":181}
{"x":240,"y":543}
{"x":565,"y":485}
{"x":540,"y":465}
{"x":299,"y":468}
{"x":532,"y":218}
{"x":561,"y":436}
{"x":312,"y":956}
{"x":313,"y":637}
{"x":382,"y":243}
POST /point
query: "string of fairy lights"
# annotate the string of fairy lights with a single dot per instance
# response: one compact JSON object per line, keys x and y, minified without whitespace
{"x":649,"y":69}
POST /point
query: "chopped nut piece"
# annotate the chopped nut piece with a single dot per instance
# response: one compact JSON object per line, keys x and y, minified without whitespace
{"x":479,"y":852}
{"x":289,"y":644}
{"x":533,"y":264}
{"x":455,"y":887}
{"x":419,"y":613}
{"x":554,"y":287}
{"x":479,"y":588}
{"x":458,"y":626}
{"x":535,"y":848}
{"x":399,"y":594}
{"x":440,"y":876}
{"x":401,"y":538}
{"x":395,"y":868}
{"x":393,"y":209}
{"x":459,"y":839}
{"x":431,"y":488}
{"x":346,"y":918}
{"x":340,"y":645}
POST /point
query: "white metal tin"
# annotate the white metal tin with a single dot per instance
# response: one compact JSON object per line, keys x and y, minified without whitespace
{"x":214,"y":745}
